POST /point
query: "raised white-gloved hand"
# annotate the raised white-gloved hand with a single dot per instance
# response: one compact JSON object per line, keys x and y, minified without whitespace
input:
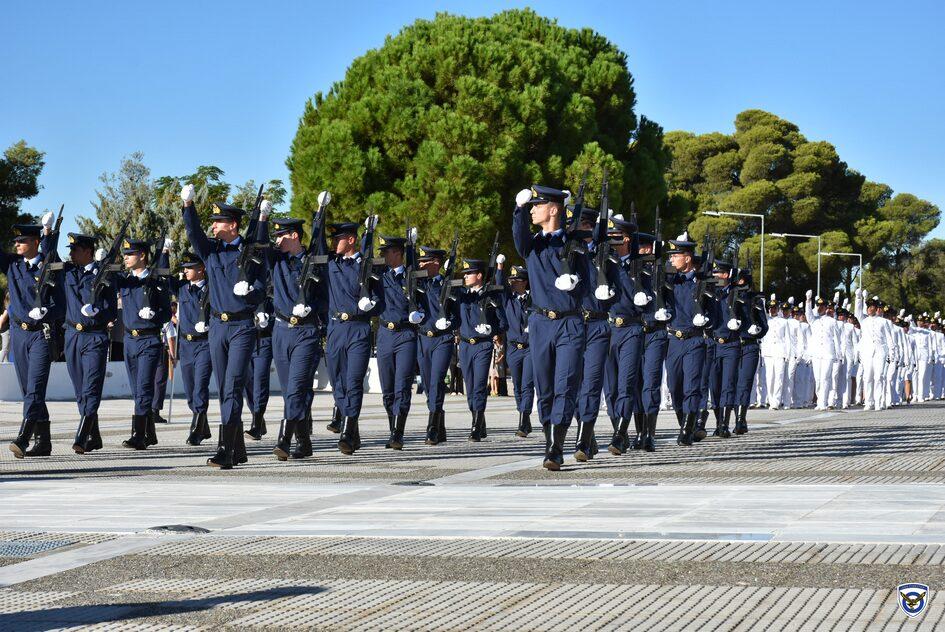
{"x":265,"y":207}
{"x":809,"y":294}
{"x":699,"y":320}
{"x":366,"y":304}
{"x":301,"y":310}
{"x":836,"y":297}
{"x":772,"y":297}
{"x":902,"y":312}
{"x":415,"y":317}
{"x":442,"y":324}
{"x":641,"y":298}
{"x":168,"y":244}
{"x":500,"y":258}
{"x":241,"y":288}
{"x":262,"y":320}
{"x":523,"y":197}
{"x":567,"y":197}
{"x":601,"y":293}
{"x":146,"y":313}
{"x":324,"y":198}
{"x":662,"y":315}
{"x":201,"y":327}
{"x":754,"y":330}
{"x":100,"y":254}
{"x":187,"y":193}
{"x":37,"y":313}
{"x":734,"y":324}
{"x":89,"y":310}
{"x":49,"y":218}
{"x":566,"y":282}
{"x":370,"y":222}
{"x":937,"y":314}
{"x":484,"y":329}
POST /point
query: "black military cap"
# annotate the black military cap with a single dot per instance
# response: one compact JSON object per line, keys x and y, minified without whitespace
{"x":190,"y":260}
{"x":518,"y":273}
{"x":226,"y":212}
{"x":426,"y":253}
{"x":283,"y":225}
{"x":722,"y":266}
{"x":646,"y":238}
{"x":131,"y":246}
{"x":620,"y":226}
{"x":23,"y":232}
{"x":384,"y":242}
{"x":344,"y":228}
{"x":82,"y":241}
{"x":542,"y":194}
{"x":473,"y":265}
{"x":681,"y":244}
{"x":589,"y":215}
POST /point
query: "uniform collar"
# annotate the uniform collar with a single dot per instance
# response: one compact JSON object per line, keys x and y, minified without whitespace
{"x":200,"y":283}
{"x":235,"y":242}
{"x":35,"y":260}
{"x":398,"y":270}
{"x":142,"y":275}
{"x":88,"y":267}
{"x":554,"y":233}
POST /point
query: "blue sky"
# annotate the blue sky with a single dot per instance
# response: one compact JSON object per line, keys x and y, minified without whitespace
{"x":224,"y":83}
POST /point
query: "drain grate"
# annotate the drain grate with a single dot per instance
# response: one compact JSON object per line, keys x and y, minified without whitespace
{"x":27,"y":548}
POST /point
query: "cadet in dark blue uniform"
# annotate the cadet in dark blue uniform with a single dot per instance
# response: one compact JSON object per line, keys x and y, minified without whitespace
{"x":480,"y":324}
{"x":555,"y":326}
{"x":517,"y":302}
{"x":145,"y":307}
{"x":86,"y":342}
{"x":754,"y":326}
{"x":193,"y":346}
{"x":396,"y":340}
{"x":257,"y":386}
{"x":296,"y":336}
{"x":234,"y":295}
{"x":723,"y":375}
{"x":435,"y":341}
{"x":32,"y":331}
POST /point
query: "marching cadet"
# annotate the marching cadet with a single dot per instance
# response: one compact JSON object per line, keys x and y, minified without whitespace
{"x":802,"y":389}
{"x":193,"y":346}
{"x":234,"y":295}
{"x":825,"y":348}
{"x":516,"y":302}
{"x":725,"y":338}
{"x":480,"y":323}
{"x":775,"y":349}
{"x":31,"y":329}
{"x":754,"y":327}
{"x":145,"y":307}
{"x":257,"y":386}
{"x":435,"y":339}
{"x":163,"y":369}
{"x":655,"y":341}
{"x":556,"y":330}
{"x":86,"y":338}
{"x":396,"y":348}
{"x":296,"y":335}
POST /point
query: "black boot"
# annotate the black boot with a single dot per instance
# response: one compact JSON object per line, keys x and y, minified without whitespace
{"x":396,"y":441}
{"x":441,"y":425}
{"x":239,"y":446}
{"x":482,"y":424}
{"x":524,"y":425}
{"x":303,"y":439}
{"x":699,"y":432}
{"x":685,"y":436}
{"x":205,"y":426}
{"x":390,"y":422}
{"x":741,"y":420}
{"x":336,"y":420}
{"x":257,"y":429}
{"x":19,"y":445}
{"x":554,"y":458}
{"x":223,"y":459}
{"x":726,"y":418}
{"x":649,"y":432}
{"x":546,"y":429}
{"x":433,"y":434}
{"x":139,"y":431}
{"x":196,"y":432}
{"x":287,"y":430}
{"x":95,"y":435}
{"x":151,"y":432}
{"x":349,"y":441}
{"x":594,"y":447}
{"x":638,"y":423}
{"x":42,"y":444}
{"x":621,"y":440}
{"x":582,"y":443}
{"x":156,"y":414}
{"x":82,"y":435}
{"x":615,"y":422}
{"x":474,"y":435}
{"x":680,"y":417}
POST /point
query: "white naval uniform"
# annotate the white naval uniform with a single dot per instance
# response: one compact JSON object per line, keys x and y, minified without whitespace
{"x":775,"y":349}
{"x":875,"y":350}
{"x":825,"y":353}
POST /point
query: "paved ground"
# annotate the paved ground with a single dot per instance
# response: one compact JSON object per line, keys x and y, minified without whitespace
{"x":808,"y":522}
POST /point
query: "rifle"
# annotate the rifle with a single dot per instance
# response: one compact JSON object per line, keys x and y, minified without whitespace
{"x":44,"y":279}
{"x":411,"y":273}
{"x":659,"y":266}
{"x":366,"y":274}
{"x":448,"y":266}
{"x":248,"y":253}
{"x":314,"y":255}
{"x":106,"y":266}
{"x":705,"y":282}
{"x":602,"y":255}
{"x":733,"y":288}
{"x":153,"y":270}
{"x":573,"y":240}
{"x":488,"y":281}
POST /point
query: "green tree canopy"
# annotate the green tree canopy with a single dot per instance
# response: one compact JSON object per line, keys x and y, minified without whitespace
{"x":20,"y":167}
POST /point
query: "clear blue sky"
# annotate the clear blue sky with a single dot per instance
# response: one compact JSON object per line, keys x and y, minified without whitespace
{"x":224,"y":83}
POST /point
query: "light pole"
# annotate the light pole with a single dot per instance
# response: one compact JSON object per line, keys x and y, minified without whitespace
{"x":761,"y":282}
{"x":817,"y":237}
{"x":850,"y":254}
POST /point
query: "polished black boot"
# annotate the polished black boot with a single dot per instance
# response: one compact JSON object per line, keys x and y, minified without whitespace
{"x":582,"y":443}
{"x":621,"y":441}
{"x":474,"y":435}
{"x":482,"y":424}
{"x":42,"y":443}
{"x":257,"y":429}
{"x":303,"y":439}
{"x":139,"y":431}
{"x":396,"y":441}
{"x":239,"y":446}
{"x":390,"y":422}
{"x":741,"y":420}
{"x":349,"y":440}
{"x":19,"y":445}
{"x":649,"y":432}
{"x":205,"y":426}
{"x":287,"y":430}
{"x":156,"y":414}
{"x":689,"y":429}
{"x":546,"y":429}
{"x":196,"y":432}
{"x":594,"y":447}
{"x":95,"y":435}
{"x":699,"y":432}
{"x":223,"y":459}
{"x":524,"y":425}
{"x":336,"y":421}
{"x":151,"y":432}
{"x":554,"y":457}
{"x":638,"y":423}
{"x":726,"y":419}
{"x":433,"y":435}
{"x":680,"y":417}
{"x":82,"y":435}
{"x":441,"y":425}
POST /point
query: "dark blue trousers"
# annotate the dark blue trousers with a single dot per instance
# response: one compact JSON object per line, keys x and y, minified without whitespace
{"x":31,"y":359}
{"x":622,"y":374}
{"x":86,"y":359}
{"x":475,"y":360}
{"x":347,"y":352}
{"x":142,"y":355}
{"x":593,"y":366}
{"x":747,"y":369}
{"x":556,"y":346}
{"x":296,"y":351}
{"x":435,"y":356}
{"x":195,"y":370}
{"x":723,"y":376}
{"x":232,"y":345}
{"x":160,"y":381}
{"x":396,"y":362}
{"x":704,"y":389}
{"x":519,"y":362}
{"x":257,"y":386}
{"x":655,"y":345}
{"x":685,"y":360}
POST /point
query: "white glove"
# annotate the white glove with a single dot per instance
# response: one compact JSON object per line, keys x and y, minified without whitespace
{"x":201,"y":327}
{"x":754,"y":330}
{"x":168,"y":244}
{"x":937,"y":314}
{"x":500,"y":259}
{"x":809,"y":294}
{"x":324,"y":198}
{"x":301,"y":310}
{"x":88,"y":310}
{"x":442,"y":324}
{"x":265,"y":207}
{"x":187,"y":193}
{"x":241,"y":288}
{"x":641,"y":298}
{"x":415,"y":318}
{"x":734,"y":324}
{"x":262,"y":320}
{"x":699,"y":320}
{"x":146,"y":313}
{"x":48,"y":219}
{"x":602,"y":293}
{"x":566,"y":282}
{"x":523,"y":197}
{"x":370,"y":222}
{"x":485,"y":330}
{"x":902,"y":312}
{"x":525,"y":331}
{"x":366,"y":304}
{"x":37,"y":313}
{"x":772,"y":297}
{"x":662,"y":315}
{"x":567,"y":197}
{"x":100,"y":254}
{"x":836,"y":297}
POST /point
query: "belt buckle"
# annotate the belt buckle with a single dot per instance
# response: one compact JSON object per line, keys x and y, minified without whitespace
{"x":472,"y":341}
{"x":79,"y":327}
{"x":134,"y":333}
{"x":190,"y":336}
{"x":294,"y":320}
{"x":391,"y":326}
{"x":429,"y":334}
{"x":618,"y":321}
{"x":345,"y":315}
{"x":24,"y":326}
{"x":224,"y":317}
{"x":519,"y":345}
{"x":678,"y":334}
{"x":721,"y":341}
{"x":553,"y":315}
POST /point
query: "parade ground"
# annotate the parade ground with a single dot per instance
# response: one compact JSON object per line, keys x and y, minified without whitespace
{"x":810,"y":521}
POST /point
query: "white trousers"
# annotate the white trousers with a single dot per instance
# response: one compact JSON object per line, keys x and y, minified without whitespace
{"x":839,"y":383}
{"x":775,"y":377}
{"x":823,"y":380}
{"x":873,"y":379}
